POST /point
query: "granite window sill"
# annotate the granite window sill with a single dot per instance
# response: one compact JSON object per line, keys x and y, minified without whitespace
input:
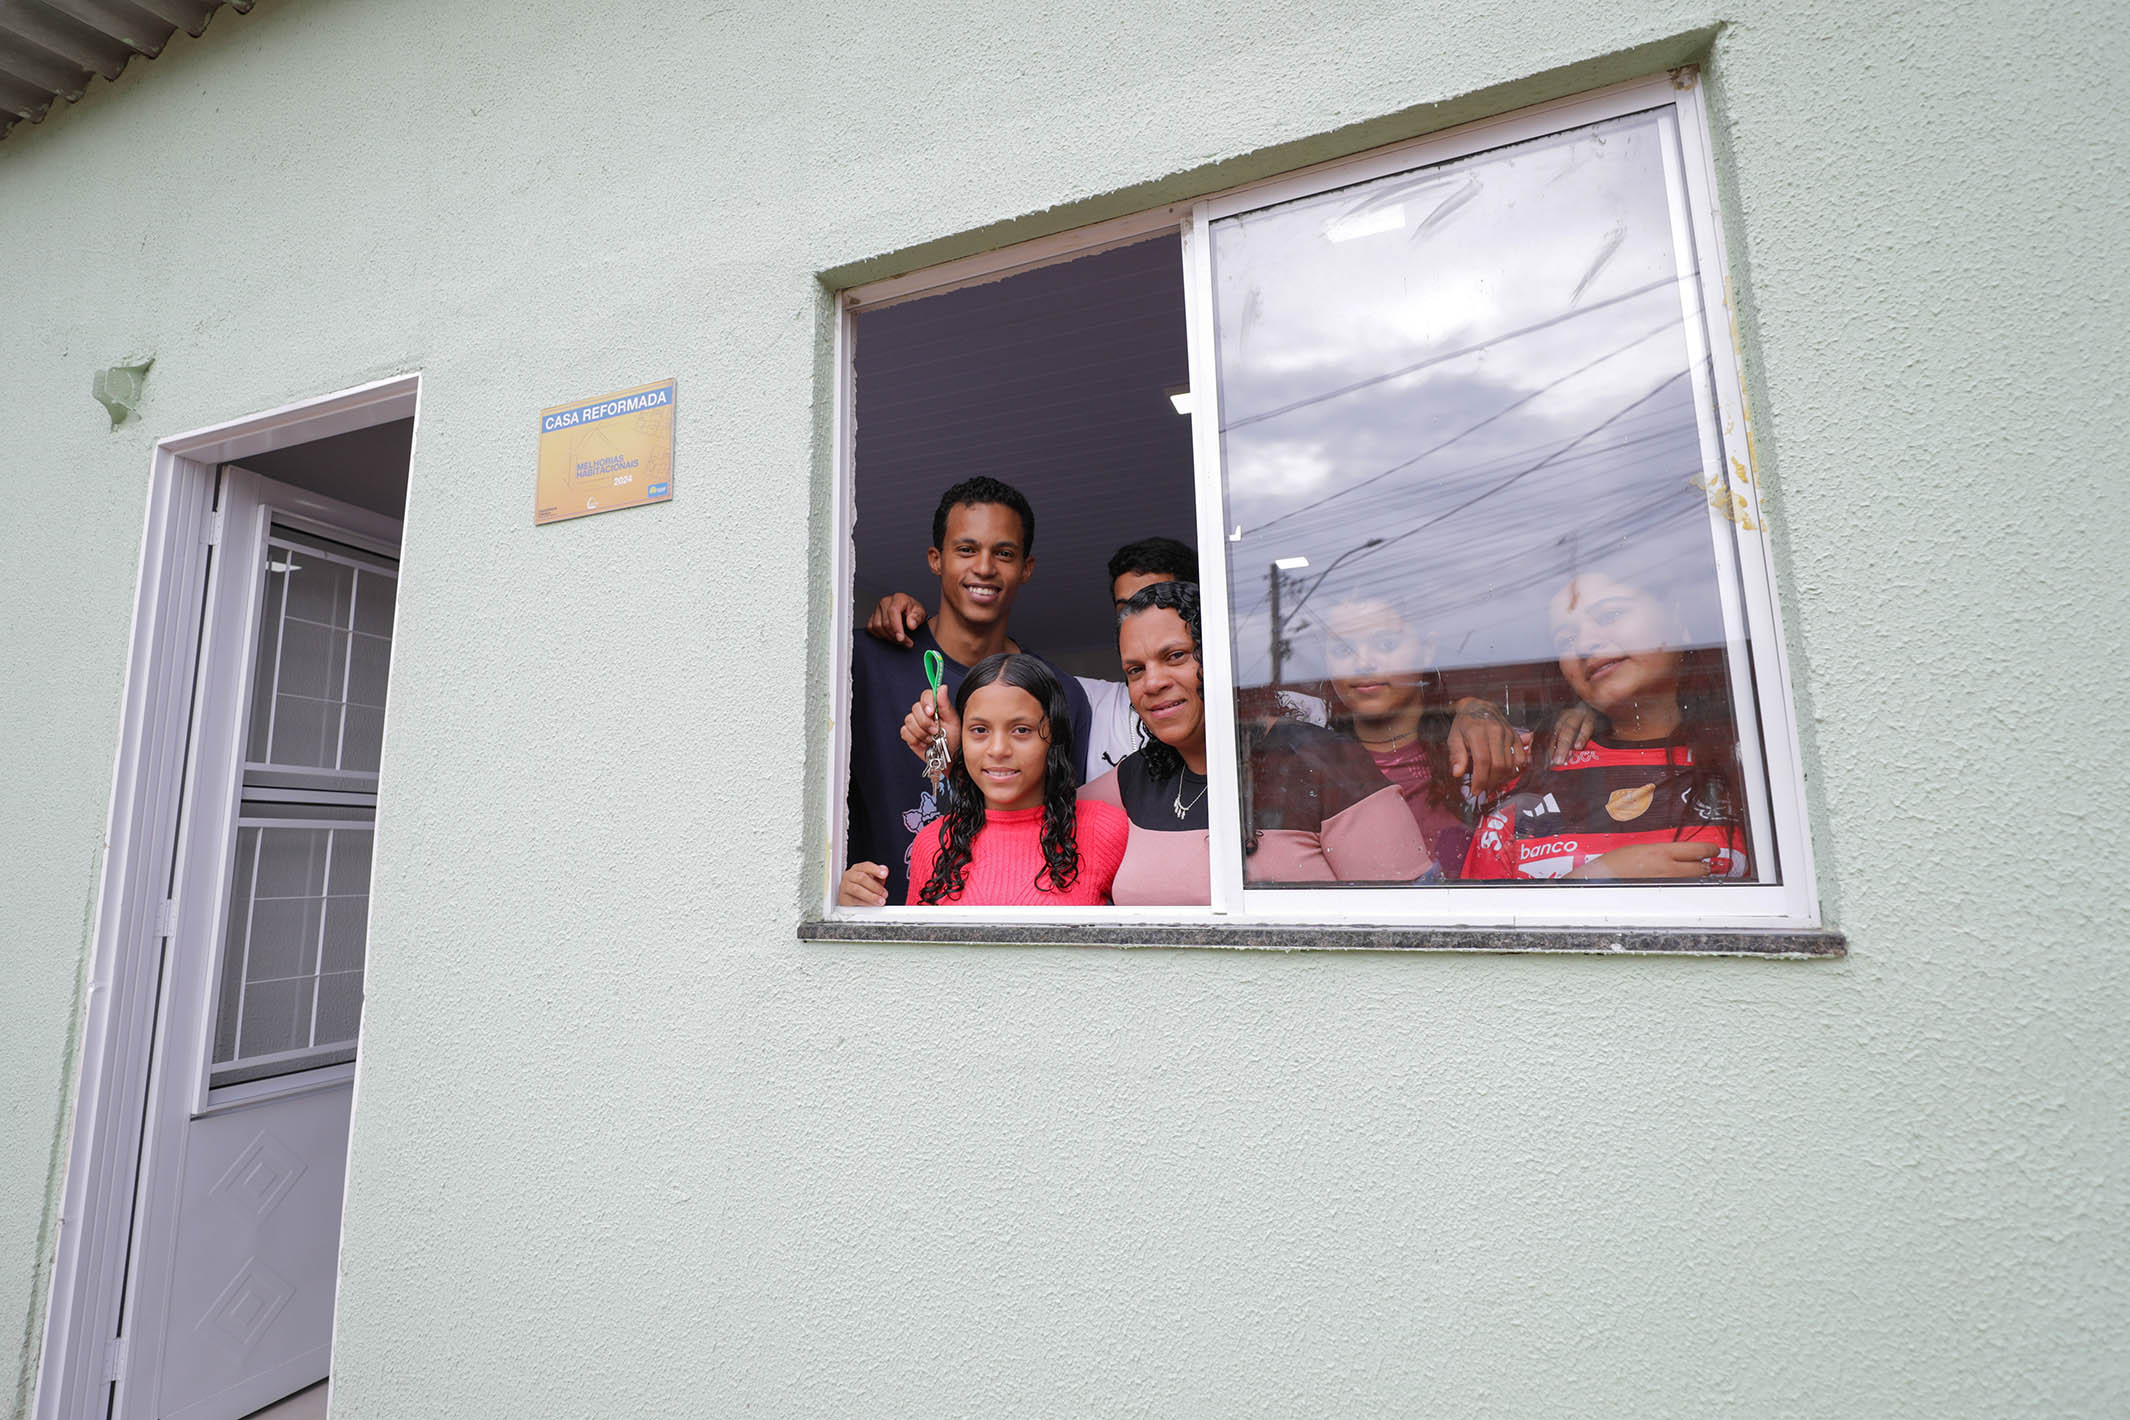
{"x":1792,"y":944}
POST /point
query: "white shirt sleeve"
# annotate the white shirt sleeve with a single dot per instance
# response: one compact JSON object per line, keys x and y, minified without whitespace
{"x":1307,"y":707}
{"x":1114,"y":729}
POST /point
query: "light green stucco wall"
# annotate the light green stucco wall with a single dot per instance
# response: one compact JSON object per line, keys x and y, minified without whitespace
{"x":624,"y":1146}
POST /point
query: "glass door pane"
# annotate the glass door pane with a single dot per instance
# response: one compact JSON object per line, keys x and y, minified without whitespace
{"x":289,"y":996}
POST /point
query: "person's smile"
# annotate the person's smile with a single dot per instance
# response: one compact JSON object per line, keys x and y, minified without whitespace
{"x":1006,"y":740}
{"x":1167,"y":709}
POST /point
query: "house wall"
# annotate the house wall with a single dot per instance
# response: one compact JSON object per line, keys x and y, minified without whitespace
{"x":624,"y":1146}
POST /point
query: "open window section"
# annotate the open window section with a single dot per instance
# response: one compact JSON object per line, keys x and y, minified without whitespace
{"x":1484,"y":629}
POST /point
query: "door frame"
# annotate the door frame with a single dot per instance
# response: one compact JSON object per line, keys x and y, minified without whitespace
{"x":84,"y":1352}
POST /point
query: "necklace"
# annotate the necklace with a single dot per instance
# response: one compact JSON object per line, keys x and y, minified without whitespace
{"x":1392,"y":743}
{"x":1182,"y":808}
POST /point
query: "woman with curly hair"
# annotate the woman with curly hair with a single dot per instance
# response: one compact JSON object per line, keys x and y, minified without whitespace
{"x":1013,"y":834}
{"x":1315,"y":807}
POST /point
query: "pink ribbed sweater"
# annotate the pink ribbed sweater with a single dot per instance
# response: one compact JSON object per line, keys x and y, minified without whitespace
{"x":1008,"y":854}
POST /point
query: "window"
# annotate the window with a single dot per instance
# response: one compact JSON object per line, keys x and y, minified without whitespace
{"x":297,"y":655}
{"x":1486,"y":626}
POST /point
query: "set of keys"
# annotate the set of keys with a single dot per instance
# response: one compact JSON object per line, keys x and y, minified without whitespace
{"x":937,"y":757}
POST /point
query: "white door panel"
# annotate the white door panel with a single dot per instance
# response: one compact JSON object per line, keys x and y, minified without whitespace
{"x":236,"y":1238}
{"x":250,"y":1316}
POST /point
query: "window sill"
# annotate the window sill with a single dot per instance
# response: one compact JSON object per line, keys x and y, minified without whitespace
{"x":1790,"y":944}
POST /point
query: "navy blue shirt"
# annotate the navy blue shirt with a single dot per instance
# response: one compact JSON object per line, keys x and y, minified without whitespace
{"x":890,"y":799}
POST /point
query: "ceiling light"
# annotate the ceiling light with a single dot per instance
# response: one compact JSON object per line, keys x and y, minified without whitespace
{"x":1290,"y":564}
{"x":1180,"y":396}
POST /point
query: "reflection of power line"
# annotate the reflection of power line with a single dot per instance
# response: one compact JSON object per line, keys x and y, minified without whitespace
{"x":1436,"y":586}
{"x":1638,"y":522}
{"x":1419,"y":365}
{"x":1556,"y":569}
{"x":1593,"y":464}
{"x":1435,"y":600}
{"x":1524,"y":473}
{"x":1390,"y":501}
{"x":1500,"y":413}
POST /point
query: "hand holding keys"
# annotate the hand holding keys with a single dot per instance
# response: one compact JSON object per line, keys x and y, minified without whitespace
{"x":936,"y":756}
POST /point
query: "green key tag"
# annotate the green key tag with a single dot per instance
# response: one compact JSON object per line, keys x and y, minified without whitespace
{"x":937,"y":760}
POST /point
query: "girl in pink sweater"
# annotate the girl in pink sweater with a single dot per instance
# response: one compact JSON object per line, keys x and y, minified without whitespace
{"x":1012,"y":834}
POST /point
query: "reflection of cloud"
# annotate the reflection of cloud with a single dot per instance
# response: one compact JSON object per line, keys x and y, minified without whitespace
{"x":1439,"y":317}
{"x":1492,"y":402}
{"x":1554,"y":223}
{"x":1281,"y":466}
{"x":1504,"y":415}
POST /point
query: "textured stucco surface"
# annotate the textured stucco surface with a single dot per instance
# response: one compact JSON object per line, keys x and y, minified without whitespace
{"x":624,"y":1146}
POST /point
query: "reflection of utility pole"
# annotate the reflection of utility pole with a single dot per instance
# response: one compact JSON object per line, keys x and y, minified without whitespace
{"x":1280,"y":566}
{"x":1279,"y":639}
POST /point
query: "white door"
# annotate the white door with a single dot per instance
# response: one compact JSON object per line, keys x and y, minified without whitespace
{"x":229,"y":1300}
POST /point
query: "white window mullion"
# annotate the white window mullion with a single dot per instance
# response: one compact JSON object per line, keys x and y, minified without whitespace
{"x":1775,"y":706}
{"x":325,"y":901}
{"x":251,"y":908}
{"x":347,"y":669}
{"x":273,"y":694}
{"x":1216,"y":653}
{"x":1723,"y":533}
{"x":842,"y":620}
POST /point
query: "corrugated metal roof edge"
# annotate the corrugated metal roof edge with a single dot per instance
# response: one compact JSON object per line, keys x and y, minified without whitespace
{"x":51,"y":49}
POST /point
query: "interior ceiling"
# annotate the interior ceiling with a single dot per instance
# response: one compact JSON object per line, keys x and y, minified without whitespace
{"x":1052,"y":380}
{"x":366,"y":467}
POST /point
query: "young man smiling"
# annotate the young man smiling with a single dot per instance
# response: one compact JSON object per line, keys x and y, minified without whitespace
{"x":983,"y":552}
{"x":1110,"y":729}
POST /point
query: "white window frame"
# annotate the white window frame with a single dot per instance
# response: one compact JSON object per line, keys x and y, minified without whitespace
{"x":1766,"y":719}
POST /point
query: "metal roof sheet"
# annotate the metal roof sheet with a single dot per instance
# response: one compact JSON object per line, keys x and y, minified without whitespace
{"x":49,"y":49}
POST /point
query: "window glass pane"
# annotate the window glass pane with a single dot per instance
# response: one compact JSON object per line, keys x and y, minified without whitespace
{"x":339,"y":1007}
{"x":1466,"y":465}
{"x":340,"y":947}
{"x":291,"y":862}
{"x":276,"y":1018}
{"x":262,"y":685}
{"x":320,"y":590}
{"x":369,"y":661}
{"x":325,"y":650}
{"x":294,"y":951}
{"x":284,"y":938}
{"x":375,"y":594}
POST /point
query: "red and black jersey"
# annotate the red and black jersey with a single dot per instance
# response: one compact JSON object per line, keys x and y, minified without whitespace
{"x":1606,"y":796}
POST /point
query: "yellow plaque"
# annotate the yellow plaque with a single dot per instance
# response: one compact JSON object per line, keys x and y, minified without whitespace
{"x":612,"y":452}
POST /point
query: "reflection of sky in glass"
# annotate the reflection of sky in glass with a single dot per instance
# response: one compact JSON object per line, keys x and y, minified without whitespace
{"x":1482,"y":367}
